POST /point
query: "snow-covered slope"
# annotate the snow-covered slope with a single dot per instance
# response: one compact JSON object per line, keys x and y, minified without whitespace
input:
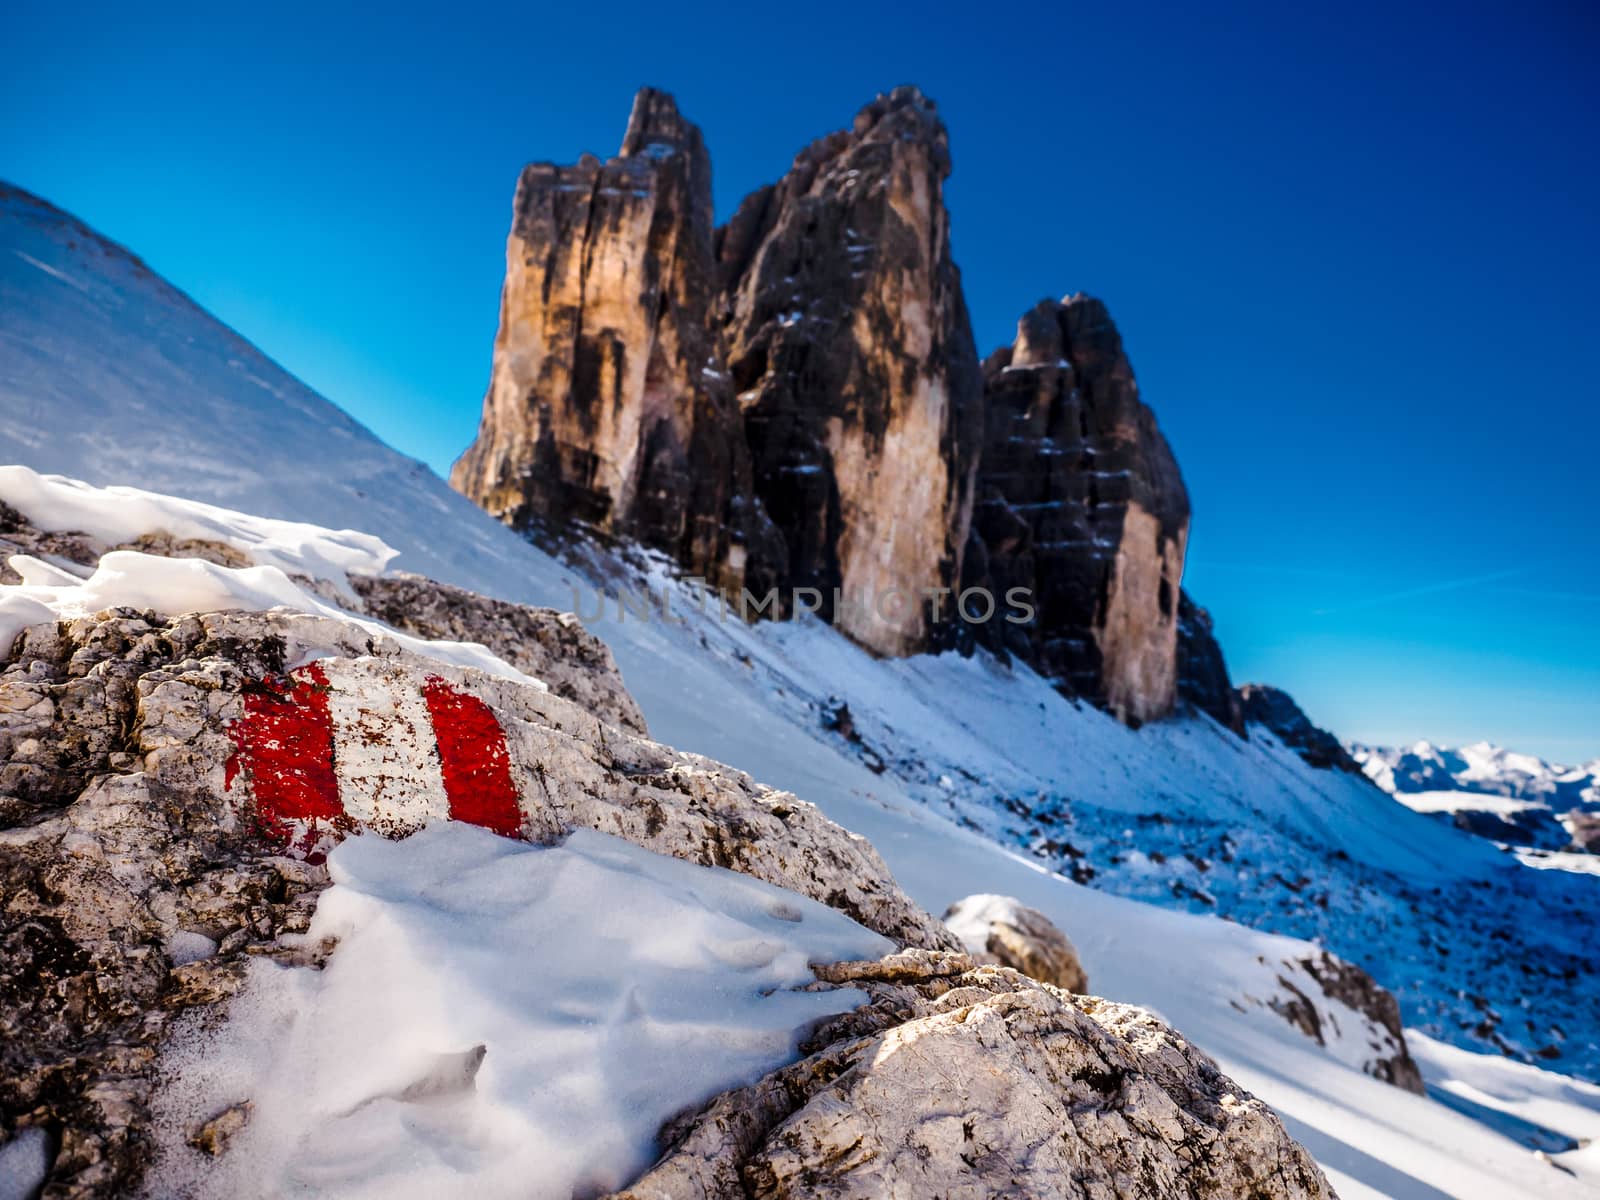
{"x":110,"y":375}
{"x":968,"y":776}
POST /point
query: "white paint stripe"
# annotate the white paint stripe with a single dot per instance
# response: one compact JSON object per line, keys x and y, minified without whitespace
{"x":384,"y":753}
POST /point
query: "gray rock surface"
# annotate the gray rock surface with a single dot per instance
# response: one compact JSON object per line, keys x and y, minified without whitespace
{"x":962,"y":1081}
{"x":140,"y":868}
{"x":541,"y":642}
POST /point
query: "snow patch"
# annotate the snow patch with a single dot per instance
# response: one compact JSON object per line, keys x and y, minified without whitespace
{"x":24,"y":1164}
{"x":173,"y":586}
{"x":55,"y":503}
{"x":499,"y":1020}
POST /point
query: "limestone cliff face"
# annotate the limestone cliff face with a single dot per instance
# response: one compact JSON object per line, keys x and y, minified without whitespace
{"x":1080,"y":500}
{"x":608,"y":406}
{"x":795,"y":400}
{"x":848,"y":338}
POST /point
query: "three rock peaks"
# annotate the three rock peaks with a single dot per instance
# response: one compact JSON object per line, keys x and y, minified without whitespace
{"x":794,"y":400}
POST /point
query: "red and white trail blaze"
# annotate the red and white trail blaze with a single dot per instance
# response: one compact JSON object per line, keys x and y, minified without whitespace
{"x":341,"y":744}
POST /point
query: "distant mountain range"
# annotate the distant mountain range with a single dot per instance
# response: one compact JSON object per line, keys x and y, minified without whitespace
{"x":1492,"y":791}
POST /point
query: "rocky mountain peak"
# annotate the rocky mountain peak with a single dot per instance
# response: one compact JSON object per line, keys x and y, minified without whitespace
{"x":904,"y":114}
{"x":1081,"y":503}
{"x":847,"y":335}
{"x":659,"y":134}
{"x":1040,"y":342}
{"x":656,"y":121}
{"x":795,"y":399}
{"x":608,"y":408}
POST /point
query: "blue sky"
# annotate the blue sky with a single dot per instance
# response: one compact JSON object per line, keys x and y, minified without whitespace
{"x":1353,"y":252}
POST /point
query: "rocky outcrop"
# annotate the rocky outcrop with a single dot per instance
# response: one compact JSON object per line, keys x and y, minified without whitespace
{"x":1537,"y":827}
{"x":829,"y":303}
{"x":1080,"y":501}
{"x":1340,"y":1007}
{"x":1585,"y":830}
{"x":848,"y":339}
{"x":959,"y":1081}
{"x":170,"y":785}
{"x":1005,"y":932}
{"x":1276,"y":711}
{"x":608,"y":406}
{"x":798,"y":402}
{"x":1203,"y":680}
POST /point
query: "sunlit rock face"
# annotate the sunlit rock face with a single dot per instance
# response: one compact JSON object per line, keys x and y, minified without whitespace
{"x":848,"y":338}
{"x":794,"y":400}
{"x":608,"y":405}
{"x":1081,"y":502}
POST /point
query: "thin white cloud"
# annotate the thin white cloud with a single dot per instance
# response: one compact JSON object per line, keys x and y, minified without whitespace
{"x":1428,"y":589}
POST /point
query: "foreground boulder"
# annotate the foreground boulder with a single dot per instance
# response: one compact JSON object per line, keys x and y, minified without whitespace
{"x":168,"y":788}
{"x":961,"y":1081}
{"x":1005,"y":932}
{"x":548,"y":645}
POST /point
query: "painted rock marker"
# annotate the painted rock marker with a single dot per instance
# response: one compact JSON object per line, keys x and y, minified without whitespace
{"x":342,"y":744}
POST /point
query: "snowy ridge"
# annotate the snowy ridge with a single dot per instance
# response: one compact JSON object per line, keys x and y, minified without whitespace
{"x":969,"y":777}
{"x":110,"y":375}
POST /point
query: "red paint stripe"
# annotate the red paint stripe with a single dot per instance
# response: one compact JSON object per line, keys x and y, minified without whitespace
{"x":285,"y":745}
{"x":473,"y":758}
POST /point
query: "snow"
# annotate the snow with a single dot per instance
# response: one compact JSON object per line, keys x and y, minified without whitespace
{"x":1556,"y":860}
{"x":174,"y":586}
{"x":92,"y":373}
{"x":1562,"y":1107}
{"x":114,"y":515}
{"x":501,"y":1020}
{"x":1449,"y":802}
{"x":24,"y":1162}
